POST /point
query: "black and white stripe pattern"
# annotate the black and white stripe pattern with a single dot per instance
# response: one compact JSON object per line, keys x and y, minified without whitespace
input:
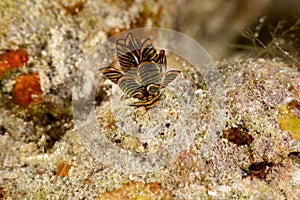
{"x":142,"y":73}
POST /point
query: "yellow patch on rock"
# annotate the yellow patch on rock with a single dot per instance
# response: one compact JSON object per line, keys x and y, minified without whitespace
{"x":288,"y":121}
{"x":137,"y":191}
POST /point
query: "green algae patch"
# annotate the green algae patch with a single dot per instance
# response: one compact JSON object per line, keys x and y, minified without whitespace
{"x":291,"y":123}
{"x":288,"y":121}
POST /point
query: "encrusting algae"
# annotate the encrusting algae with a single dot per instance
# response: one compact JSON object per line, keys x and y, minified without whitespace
{"x":27,"y":90}
{"x":12,"y":59}
{"x":288,"y":120}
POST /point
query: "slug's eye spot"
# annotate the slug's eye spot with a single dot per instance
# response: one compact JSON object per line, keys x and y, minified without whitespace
{"x":153,"y":88}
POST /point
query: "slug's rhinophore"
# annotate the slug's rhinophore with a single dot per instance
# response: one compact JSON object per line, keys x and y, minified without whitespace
{"x":142,"y":74}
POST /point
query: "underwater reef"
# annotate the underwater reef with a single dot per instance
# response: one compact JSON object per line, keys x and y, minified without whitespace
{"x":253,"y":153}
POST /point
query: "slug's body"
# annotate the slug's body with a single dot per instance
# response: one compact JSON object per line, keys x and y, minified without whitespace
{"x":142,"y":74}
